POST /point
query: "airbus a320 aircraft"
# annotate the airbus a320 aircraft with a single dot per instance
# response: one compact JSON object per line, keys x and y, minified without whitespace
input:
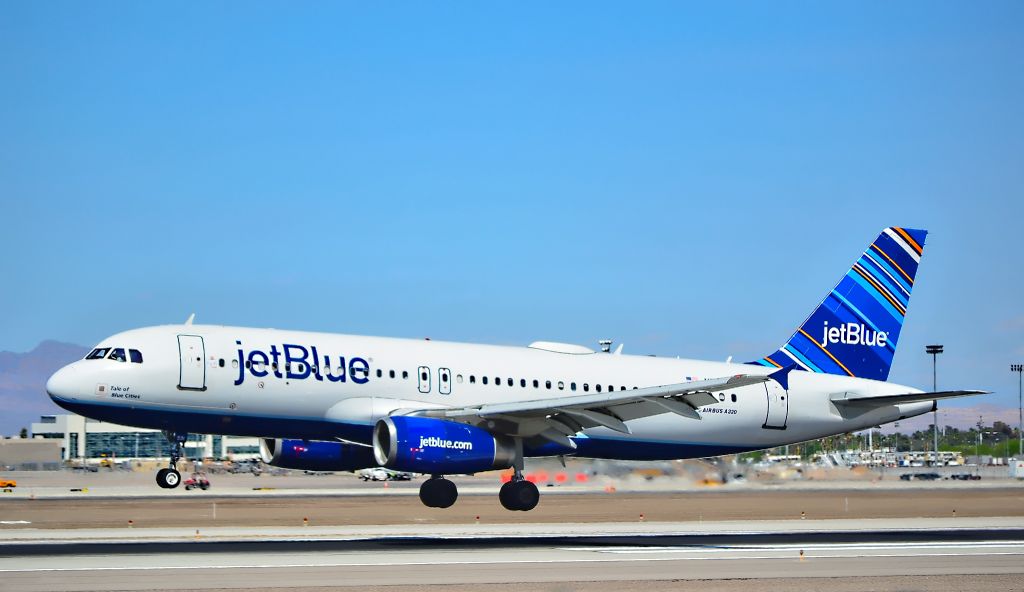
{"x":338,"y":403}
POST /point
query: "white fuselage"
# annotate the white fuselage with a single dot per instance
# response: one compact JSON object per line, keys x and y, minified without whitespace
{"x":227,"y":380}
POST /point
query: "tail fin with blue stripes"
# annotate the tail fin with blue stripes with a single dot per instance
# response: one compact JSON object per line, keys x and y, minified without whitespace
{"x":854,"y":331}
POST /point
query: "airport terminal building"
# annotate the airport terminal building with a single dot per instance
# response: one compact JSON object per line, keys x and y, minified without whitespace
{"x":83,"y":438}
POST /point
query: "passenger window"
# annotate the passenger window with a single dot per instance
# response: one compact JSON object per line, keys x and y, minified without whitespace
{"x":248,"y":364}
{"x":497,"y":382}
{"x":610,"y":388}
{"x":535,"y":383}
{"x":220,"y":362}
{"x":572,"y":386}
{"x":136,"y":357}
{"x":423,"y":376}
{"x":405,"y":374}
{"x":380,"y":373}
{"x":234,"y":364}
{"x":511,"y":382}
{"x":598,"y":387}
{"x":586,"y":387}
{"x":458,"y":378}
{"x":547,"y":384}
{"x":391,"y":373}
{"x":118,"y":354}
{"x":561,"y":385}
{"x":734,"y":397}
{"x":522,"y":382}
{"x":472,"y":379}
{"x":484,"y":380}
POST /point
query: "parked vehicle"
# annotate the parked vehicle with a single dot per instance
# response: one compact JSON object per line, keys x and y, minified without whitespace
{"x":197,"y":481}
{"x":8,"y":483}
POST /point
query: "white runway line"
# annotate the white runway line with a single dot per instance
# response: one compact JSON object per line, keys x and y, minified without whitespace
{"x":612,"y":556}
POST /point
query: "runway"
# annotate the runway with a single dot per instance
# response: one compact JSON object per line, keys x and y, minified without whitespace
{"x":982,"y":558}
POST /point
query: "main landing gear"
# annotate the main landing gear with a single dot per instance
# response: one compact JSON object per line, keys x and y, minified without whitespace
{"x":438,"y":492}
{"x":519,"y":494}
{"x":170,"y":478}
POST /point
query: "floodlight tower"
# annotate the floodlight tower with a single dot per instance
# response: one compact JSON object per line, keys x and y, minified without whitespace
{"x":934,"y":350}
{"x":1019,"y":369}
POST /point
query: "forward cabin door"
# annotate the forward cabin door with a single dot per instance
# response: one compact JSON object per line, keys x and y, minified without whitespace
{"x":778,"y":406}
{"x":424,"y":379}
{"x":192,"y":376}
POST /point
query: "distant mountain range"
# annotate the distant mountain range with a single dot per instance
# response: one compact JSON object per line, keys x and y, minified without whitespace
{"x":23,"y":383}
{"x":23,"y":393}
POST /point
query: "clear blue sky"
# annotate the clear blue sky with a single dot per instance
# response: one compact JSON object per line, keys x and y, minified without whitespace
{"x":687,"y":179}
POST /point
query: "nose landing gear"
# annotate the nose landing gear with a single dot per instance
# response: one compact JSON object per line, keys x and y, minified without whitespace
{"x":170,"y":478}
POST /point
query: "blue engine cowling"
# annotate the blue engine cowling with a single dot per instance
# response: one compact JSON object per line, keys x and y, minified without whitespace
{"x":312,"y":455}
{"x":439,"y":447}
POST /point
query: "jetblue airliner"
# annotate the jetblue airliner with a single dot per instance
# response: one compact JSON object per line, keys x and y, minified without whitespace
{"x":339,"y":403}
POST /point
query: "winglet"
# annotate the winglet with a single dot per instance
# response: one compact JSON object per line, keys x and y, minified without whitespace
{"x":190,"y":318}
{"x":781,"y":376}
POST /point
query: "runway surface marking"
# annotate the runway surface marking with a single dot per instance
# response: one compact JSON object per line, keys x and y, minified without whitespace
{"x":612,"y":555}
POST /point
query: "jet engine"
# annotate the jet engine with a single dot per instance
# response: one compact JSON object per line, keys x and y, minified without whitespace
{"x":312,"y":455}
{"x":438,"y":447}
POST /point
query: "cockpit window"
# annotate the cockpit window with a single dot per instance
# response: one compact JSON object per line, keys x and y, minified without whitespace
{"x":98,"y":354}
{"x":118,"y":354}
{"x":136,"y":356}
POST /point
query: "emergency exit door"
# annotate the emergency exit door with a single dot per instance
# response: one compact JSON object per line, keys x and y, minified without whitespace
{"x":192,"y":376}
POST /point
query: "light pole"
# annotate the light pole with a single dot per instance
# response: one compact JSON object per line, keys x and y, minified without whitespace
{"x":1019,"y":369}
{"x":935,"y":350}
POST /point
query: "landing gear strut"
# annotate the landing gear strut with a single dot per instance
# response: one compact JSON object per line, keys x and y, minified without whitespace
{"x":519,"y":494}
{"x":170,"y":478}
{"x":438,"y":492}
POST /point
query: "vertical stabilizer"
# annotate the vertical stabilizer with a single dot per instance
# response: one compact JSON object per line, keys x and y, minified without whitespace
{"x":854,"y":331}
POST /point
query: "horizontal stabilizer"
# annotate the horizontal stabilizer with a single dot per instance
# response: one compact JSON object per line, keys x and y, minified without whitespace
{"x":863,"y":400}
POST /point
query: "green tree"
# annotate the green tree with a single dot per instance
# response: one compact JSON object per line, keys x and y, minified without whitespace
{"x":24,"y":433}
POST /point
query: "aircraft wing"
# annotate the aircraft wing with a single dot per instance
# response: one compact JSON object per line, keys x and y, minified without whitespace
{"x":556,"y":418}
{"x":861,"y":400}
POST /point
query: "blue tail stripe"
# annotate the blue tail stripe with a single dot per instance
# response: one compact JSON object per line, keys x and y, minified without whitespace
{"x":880,"y":276}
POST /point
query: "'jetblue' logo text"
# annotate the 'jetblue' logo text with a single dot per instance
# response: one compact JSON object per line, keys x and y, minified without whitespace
{"x":853,"y":334}
{"x":435,"y":442}
{"x":297,"y":362}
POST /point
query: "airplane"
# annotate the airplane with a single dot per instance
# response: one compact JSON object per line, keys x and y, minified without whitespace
{"x":328,"y":402}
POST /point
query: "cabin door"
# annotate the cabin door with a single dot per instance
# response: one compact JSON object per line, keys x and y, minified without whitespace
{"x":423,"y":375}
{"x":778,"y":406}
{"x":192,"y":376}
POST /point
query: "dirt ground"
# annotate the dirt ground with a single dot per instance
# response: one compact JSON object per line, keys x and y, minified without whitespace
{"x":205,"y":510}
{"x":975,"y":583}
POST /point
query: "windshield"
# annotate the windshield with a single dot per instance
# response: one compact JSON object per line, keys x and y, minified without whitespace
{"x":98,"y":353}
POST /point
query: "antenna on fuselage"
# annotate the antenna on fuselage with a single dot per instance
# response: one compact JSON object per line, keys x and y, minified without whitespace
{"x":190,"y":318}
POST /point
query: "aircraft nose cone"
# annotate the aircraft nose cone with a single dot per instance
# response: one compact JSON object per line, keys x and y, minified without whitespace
{"x":63,"y":384}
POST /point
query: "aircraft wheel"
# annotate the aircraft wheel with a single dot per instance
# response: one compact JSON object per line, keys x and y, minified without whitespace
{"x":168,"y":478}
{"x":519,"y":495}
{"x":438,"y":492}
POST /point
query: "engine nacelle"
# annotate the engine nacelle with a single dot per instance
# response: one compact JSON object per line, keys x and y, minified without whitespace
{"x":313,"y":455}
{"x":436,"y":446}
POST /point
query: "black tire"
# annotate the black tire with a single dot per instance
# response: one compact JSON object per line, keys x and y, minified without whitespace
{"x":428,"y":493}
{"x":447,"y":493}
{"x":438,"y":493}
{"x":505,"y":496}
{"x":168,"y":478}
{"x":521,"y":495}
